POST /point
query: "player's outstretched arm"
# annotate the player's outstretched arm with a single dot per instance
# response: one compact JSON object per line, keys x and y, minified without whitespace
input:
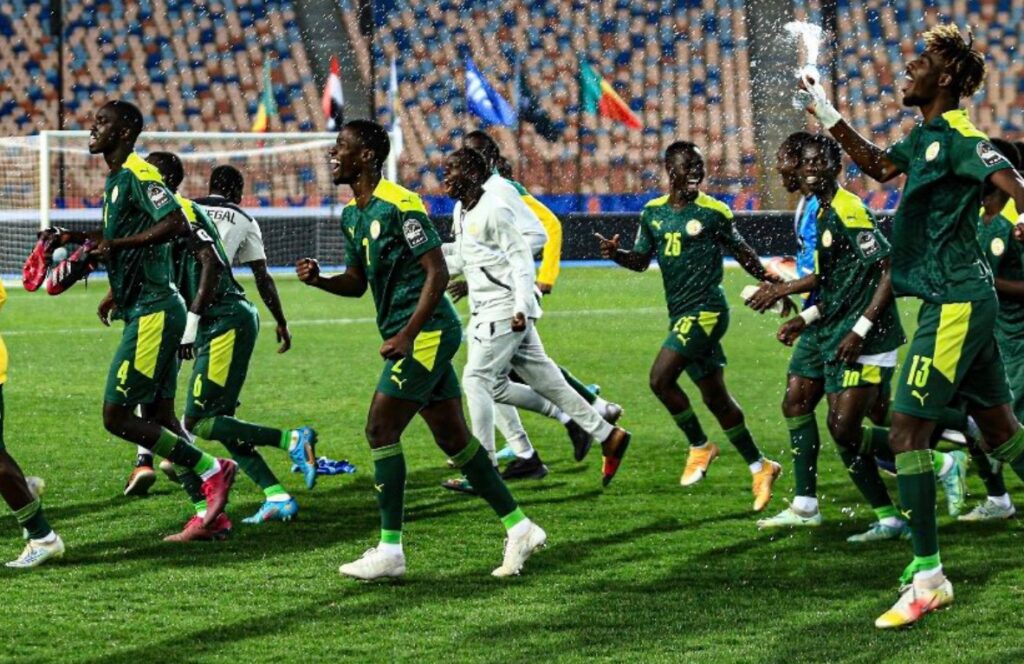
{"x":173,"y":225}
{"x":633,"y":260}
{"x":351,"y":283}
{"x":850,"y":347}
{"x":210,"y":269}
{"x":433,"y":264}
{"x":268,"y":293}
{"x":1012,"y":183}
{"x":768,"y":293}
{"x":871,"y":159}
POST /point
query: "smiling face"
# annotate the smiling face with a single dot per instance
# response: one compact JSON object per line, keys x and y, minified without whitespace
{"x":105,"y":131}
{"x":924,"y":78}
{"x":818,"y":169}
{"x":685,"y":172}
{"x":787,"y":165}
{"x":347,"y":157}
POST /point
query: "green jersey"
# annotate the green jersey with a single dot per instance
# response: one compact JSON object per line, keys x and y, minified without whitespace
{"x":688,"y":243}
{"x":134,"y":200}
{"x":386,"y":239}
{"x":227,"y":294}
{"x":1006,"y":258}
{"x":935,"y":251}
{"x":847,"y":260}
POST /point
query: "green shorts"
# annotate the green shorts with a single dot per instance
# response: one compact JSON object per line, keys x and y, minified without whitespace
{"x":953,"y":355}
{"x":223,"y":350}
{"x":428,"y":375}
{"x":807,"y":360}
{"x":840,"y":376}
{"x":145,"y":366}
{"x":698,"y":338}
{"x":1012,"y":352}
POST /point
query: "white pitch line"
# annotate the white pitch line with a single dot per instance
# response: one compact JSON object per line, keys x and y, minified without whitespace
{"x":308,"y":322}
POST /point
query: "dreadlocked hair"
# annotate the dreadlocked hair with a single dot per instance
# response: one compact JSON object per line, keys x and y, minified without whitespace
{"x":964,"y":64}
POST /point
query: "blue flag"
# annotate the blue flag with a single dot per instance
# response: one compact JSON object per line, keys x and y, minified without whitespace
{"x":485,"y":101}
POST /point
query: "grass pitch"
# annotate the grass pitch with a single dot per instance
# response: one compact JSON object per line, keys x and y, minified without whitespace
{"x":642,"y":571}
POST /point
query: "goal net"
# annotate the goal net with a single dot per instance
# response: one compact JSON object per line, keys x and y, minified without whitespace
{"x":51,"y":179}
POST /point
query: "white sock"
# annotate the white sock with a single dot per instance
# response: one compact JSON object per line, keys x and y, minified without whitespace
{"x":523,"y":448}
{"x":972,"y":429}
{"x":756,"y":467}
{"x":201,"y":514}
{"x":279,"y":498}
{"x":519,"y":529}
{"x":947,"y":464}
{"x":143,"y":450}
{"x":601,"y":406}
{"x":294,"y":436}
{"x":1002,"y":501}
{"x":927,"y":578}
{"x":701,"y":446}
{"x":390,"y":549}
{"x":49,"y":539}
{"x":805,"y":504}
{"x":212,"y":471}
{"x":561,"y":417}
{"x":891,"y":521}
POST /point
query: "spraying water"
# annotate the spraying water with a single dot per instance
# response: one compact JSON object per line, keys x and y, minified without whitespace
{"x":810,"y":36}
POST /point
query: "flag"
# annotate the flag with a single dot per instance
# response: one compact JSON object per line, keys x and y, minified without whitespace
{"x":268,"y":107}
{"x":529,"y":109}
{"x":333,"y":100}
{"x":484,"y":101}
{"x":598,"y":96}
{"x":397,"y":139}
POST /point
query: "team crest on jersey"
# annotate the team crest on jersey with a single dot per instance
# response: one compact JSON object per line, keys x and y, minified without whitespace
{"x":997,"y":246}
{"x":414,"y":233}
{"x":114,"y":193}
{"x":988,"y":154}
{"x":826,"y":238}
{"x":868,"y":243}
{"x":157,"y":195}
{"x":375,"y":229}
{"x":694,"y":227}
{"x":932,"y":151}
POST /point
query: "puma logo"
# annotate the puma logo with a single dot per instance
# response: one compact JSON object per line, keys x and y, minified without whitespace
{"x":378,"y":487}
{"x":657,"y":225}
{"x":197,"y":402}
{"x":399,"y":381}
{"x":683,"y":339}
{"x":123,"y":390}
{"x":920,"y":397}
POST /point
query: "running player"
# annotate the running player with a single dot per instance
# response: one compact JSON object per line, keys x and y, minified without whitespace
{"x":392,"y":247}
{"x":221,"y":336}
{"x":140,"y":219}
{"x":1006,"y":258}
{"x":936,"y":257}
{"x":19,"y":494}
{"x":688,"y":230}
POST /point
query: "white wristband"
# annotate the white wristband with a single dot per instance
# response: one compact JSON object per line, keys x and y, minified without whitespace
{"x":810,"y":314}
{"x":191,"y":328}
{"x":862,"y":327}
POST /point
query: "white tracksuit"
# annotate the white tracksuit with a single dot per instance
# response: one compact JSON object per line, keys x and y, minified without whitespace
{"x":497,"y":262}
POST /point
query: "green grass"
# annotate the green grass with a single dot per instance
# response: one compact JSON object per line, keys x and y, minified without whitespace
{"x":642,"y":571}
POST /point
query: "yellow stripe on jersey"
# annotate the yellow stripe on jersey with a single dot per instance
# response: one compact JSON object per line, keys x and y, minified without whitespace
{"x":400,"y":197}
{"x":706,"y":201}
{"x":959,"y":120}
{"x":222,"y":350}
{"x":187,"y":207}
{"x":142,"y":169}
{"x":851,"y":210}
{"x":551,"y":258}
{"x":1010,"y":211}
{"x":424,"y":349}
{"x":949,"y":338}
{"x":658,"y":202}
{"x":147,"y":344}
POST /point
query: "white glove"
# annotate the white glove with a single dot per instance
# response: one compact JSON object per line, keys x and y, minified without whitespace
{"x":814,"y":99}
{"x":191,"y":329}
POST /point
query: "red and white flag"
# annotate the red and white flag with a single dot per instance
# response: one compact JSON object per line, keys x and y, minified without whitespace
{"x":334,"y":99}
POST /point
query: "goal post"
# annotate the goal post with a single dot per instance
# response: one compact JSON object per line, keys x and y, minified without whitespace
{"x":52,"y":179}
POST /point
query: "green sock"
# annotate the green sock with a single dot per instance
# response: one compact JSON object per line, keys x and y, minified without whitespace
{"x":579,"y":387}
{"x":741,"y":439}
{"x":864,"y":474}
{"x":513,"y":518}
{"x":916,"y":480}
{"x":887,"y":512}
{"x":688,"y":422}
{"x":192,"y":485}
{"x":32,"y":519}
{"x":994,"y":484}
{"x":389,"y":481}
{"x":875,"y":442}
{"x":223,"y":429}
{"x":806,"y":442}
{"x":274,"y":490}
{"x":252,"y":464}
{"x":476,"y":466}
{"x":1012,"y":452}
{"x":390,"y":536}
{"x":182,"y":453}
